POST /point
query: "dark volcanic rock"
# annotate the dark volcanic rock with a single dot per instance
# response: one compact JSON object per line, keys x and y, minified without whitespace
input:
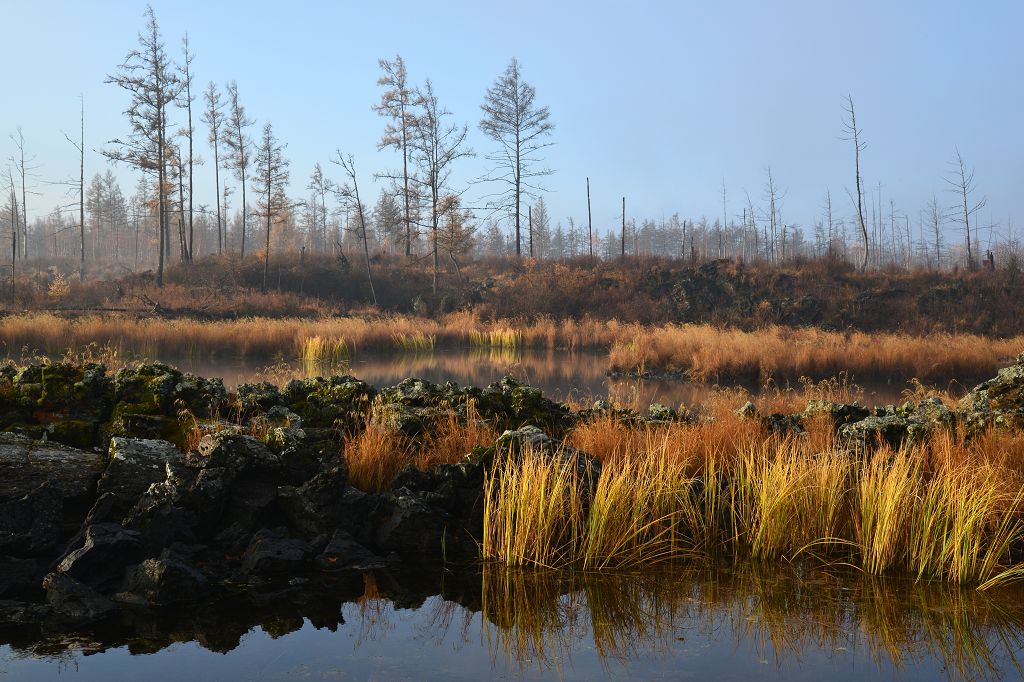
{"x":344,"y":553}
{"x":274,"y":553}
{"x":168,"y":579}
{"x":135,"y":464}
{"x":107,"y":551}
{"x":71,"y":600}
{"x":327,"y":502}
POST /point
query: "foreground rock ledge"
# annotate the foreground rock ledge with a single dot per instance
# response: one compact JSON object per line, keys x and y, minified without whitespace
{"x":106,"y":504}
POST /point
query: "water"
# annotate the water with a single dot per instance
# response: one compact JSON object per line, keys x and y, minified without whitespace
{"x":562,"y":375}
{"x":777,"y":622}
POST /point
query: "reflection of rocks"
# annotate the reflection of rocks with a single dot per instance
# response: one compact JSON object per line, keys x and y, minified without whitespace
{"x":263,"y":499}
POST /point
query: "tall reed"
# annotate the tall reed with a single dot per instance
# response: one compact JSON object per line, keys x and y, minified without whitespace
{"x":941,"y":510}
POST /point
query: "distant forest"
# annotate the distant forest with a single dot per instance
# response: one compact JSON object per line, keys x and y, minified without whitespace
{"x":419,"y":213}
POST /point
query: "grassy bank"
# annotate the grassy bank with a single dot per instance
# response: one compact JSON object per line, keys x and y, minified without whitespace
{"x":701,"y":352}
{"x":946,"y":509}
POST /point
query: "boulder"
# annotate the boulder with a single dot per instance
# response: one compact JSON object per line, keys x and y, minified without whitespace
{"x":108,"y":550}
{"x":344,"y":553}
{"x":74,"y":601}
{"x":325,"y":503}
{"x":273,"y":553}
{"x":167,"y":579}
{"x":135,"y":464}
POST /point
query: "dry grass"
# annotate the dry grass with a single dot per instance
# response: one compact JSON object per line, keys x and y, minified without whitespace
{"x":704,"y":352}
{"x":376,"y":454}
{"x":709,"y":353}
{"x":947,"y":509}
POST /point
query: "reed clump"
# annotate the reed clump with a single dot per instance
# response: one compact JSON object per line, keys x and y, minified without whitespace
{"x":947,"y":509}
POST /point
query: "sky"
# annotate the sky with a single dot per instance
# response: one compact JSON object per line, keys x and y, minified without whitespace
{"x":660,"y":102}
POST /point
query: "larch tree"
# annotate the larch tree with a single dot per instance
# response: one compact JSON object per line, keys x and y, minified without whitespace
{"x":437,"y":144}
{"x":457,"y":232}
{"x":26,"y":169}
{"x":213,"y":117}
{"x":185,"y":101}
{"x":12,"y":211}
{"x":522,"y":128}
{"x":321,"y":186}
{"x":271,"y":179}
{"x":961,"y":184}
{"x":239,"y":143}
{"x":348,"y":193}
{"x":149,"y":77}
{"x":853,"y":133}
{"x":78,"y":184}
{"x":396,"y":104}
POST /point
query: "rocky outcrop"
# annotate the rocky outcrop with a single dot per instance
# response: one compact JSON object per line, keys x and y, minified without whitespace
{"x":214,"y":507}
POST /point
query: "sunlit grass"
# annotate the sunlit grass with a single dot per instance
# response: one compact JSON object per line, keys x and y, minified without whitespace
{"x":683,"y":490}
{"x":704,"y":352}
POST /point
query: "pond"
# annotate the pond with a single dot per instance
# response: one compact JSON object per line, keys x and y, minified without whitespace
{"x":561,"y":375}
{"x":693,"y":622}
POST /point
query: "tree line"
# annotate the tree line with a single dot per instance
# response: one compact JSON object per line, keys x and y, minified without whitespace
{"x":419,"y":212}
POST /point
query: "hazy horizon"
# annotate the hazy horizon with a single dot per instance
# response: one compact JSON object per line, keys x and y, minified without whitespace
{"x":657,"y":103}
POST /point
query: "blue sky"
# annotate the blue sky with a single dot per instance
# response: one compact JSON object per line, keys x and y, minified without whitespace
{"x":657,"y":101}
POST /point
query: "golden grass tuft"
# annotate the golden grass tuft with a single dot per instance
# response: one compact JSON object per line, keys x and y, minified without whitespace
{"x":948,"y":509}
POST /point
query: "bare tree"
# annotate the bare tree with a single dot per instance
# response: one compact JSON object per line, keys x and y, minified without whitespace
{"x":26,"y":169}
{"x":437,"y":144}
{"x":590,"y":223}
{"x":147,"y":75}
{"x":396,"y":103}
{"x":213,"y":117}
{"x":774,"y":196}
{"x":79,"y":185}
{"x":321,"y":186}
{"x":521,"y":128}
{"x":186,"y":100}
{"x":853,"y":133}
{"x":271,"y":168}
{"x":12,"y":205}
{"x":239,"y":144}
{"x":348,"y":192}
{"x":961,"y":183}
{"x":933,"y":214}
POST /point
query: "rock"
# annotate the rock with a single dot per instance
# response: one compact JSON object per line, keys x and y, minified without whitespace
{"x":26,"y":464}
{"x":135,"y":464}
{"x":74,"y":601}
{"x":749,"y":410}
{"x":837,"y":413}
{"x":33,"y":524}
{"x":234,"y":451}
{"x":997,"y":402}
{"x":19,"y":576}
{"x":409,"y":527}
{"x":783,"y":423}
{"x":273,"y":553}
{"x":107,"y":551}
{"x":532,"y":439}
{"x":169,"y":579}
{"x":344,"y":553}
{"x":659,"y":412}
{"x":325,"y":503}
{"x":252,"y":504}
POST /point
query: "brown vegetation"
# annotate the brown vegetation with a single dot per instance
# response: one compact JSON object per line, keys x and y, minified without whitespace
{"x":819,"y":293}
{"x":703,"y":352}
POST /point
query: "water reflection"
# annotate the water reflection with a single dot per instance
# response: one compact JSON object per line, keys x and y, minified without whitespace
{"x":702,"y":620}
{"x":562,"y":375}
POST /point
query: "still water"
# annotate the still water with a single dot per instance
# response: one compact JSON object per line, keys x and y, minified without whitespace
{"x":724,"y":623}
{"x":562,"y":375}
